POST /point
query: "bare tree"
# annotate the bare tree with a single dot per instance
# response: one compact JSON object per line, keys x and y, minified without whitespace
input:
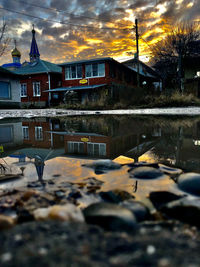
{"x":4,"y":40}
{"x":168,"y":52}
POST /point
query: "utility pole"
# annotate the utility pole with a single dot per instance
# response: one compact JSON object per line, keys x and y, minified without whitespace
{"x":137,"y":53}
{"x":180,"y":67}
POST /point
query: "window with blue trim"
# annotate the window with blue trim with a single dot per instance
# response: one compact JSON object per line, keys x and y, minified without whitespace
{"x":5,"y":90}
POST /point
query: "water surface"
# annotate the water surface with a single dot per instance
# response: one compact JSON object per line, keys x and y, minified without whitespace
{"x":66,"y":143}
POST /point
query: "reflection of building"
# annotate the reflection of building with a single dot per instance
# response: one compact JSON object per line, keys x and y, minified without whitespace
{"x":87,"y":144}
{"x":11,"y":134}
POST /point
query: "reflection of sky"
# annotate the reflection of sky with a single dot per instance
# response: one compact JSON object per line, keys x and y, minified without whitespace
{"x":70,"y":169}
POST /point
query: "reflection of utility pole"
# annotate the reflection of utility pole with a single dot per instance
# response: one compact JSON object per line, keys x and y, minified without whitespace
{"x":179,"y":144}
{"x":137,"y":53}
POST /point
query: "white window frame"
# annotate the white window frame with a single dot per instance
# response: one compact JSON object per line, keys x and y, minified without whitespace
{"x":91,"y":66}
{"x":23,"y":90}
{"x":70,"y":147}
{"x":99,"y":144}
{"x":38,"y":133}
{"x":25,"y":132}
{"x":68,"y":72}
{"x":36,"y":89}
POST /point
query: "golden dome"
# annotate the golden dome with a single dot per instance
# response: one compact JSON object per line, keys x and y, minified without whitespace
{"x":16,"y":53}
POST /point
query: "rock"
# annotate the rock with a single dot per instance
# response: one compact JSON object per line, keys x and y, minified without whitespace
{"x":92,"y":181}
{"x":146,"y":173}
{"x":110,"y":217}
{"x":186,"y":210}
{"x":169,"y":170}
{"x":143,"y":164}
{"x":140,"y":211}
{"x":68,"y":212}
{"x":6,"y":222}
{"x":161,"y":198}
{"x":115,"y":196}
{"x":102,"y":166}
{"x":190,"y":183}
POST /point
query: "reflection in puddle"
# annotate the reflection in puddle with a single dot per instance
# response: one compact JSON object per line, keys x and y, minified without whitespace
{"x":63,"y":145}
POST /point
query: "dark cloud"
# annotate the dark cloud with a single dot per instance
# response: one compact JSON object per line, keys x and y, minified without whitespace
{"x":59,"y":42}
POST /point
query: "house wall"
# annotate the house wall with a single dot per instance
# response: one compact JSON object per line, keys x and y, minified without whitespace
{"x":40,"y":101}
{"x":114,"y":73}
{"x":14,"y":100}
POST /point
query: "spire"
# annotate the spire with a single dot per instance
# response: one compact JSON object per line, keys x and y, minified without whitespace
{"x":34,"y":52}
{"x":16,"y":55}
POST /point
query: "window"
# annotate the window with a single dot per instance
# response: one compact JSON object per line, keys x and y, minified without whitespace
{"x":38,"y":133}
{"x":198,"y":73}
{"x":5,"y":90}
{"x":36,"y":89}
{"x":6,"y":134}
{"x":75,"y":147}
{"x":73,"y":72}
{"x":95,"y":70}
{"x":23,"y":89}
{"x":25,"y":132}
{"x":96,"y":149}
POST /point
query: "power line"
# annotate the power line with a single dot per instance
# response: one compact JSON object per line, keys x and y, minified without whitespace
{"x":63,"y":11}
{"x":63,"y":23}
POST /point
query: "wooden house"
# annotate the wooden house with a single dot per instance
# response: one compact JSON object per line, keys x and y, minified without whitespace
{"x":94,"y":79}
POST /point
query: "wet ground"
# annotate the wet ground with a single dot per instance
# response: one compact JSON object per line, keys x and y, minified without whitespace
{"x":162,"y":230}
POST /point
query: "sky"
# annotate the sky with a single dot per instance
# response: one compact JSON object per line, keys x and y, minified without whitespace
{"x":69,"y":30}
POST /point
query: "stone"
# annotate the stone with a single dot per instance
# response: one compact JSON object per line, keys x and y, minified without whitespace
{"x":115,"y":196}
{"x":146,"y":173}
{"x":102,"y":166}
{"x":110,"y":217}
{"x":161,"y":198}
{"x":68,"y":212}
{"x":169,"y":170}
{"x":143,"y":164}
{"x":6,"y":222}
{"x":186,"y":210}
{"x":92,"y":181}
{"x":140,"y":211}
{"x":190,"y":183}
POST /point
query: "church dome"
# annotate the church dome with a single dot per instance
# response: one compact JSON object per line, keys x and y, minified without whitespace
{"x":16,"y":53}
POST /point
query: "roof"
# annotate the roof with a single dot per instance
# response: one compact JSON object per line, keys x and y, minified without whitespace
{"x":12,"y":65}
{"x":145,"y":71}
{"x":34,"y":52}
{"x":39,"y":66}
{"x":75,"y":88}
{"x":6,"y":72}
{"x":87,"y":61}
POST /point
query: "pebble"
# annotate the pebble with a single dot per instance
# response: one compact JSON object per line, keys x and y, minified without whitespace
{"x":190,"y":183}
{"x":146,"y":173}
{"x":150,"y":250}
{"x":6,"y":257}
{"x":6,"y":222}
{"x":68,"y":212}
{"x":110,"y":216}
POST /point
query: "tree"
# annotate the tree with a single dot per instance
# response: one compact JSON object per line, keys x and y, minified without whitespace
{"x":4,"y":40}
{"x":169,"y":52}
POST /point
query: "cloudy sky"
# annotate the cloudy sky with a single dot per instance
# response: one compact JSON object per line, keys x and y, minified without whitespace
{"x":71,"y":30}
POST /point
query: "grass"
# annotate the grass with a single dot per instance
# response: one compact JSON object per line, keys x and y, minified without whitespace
{"x":149,"y":101}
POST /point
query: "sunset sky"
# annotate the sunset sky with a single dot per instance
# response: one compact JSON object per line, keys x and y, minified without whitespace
{"x":81,"y":29}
